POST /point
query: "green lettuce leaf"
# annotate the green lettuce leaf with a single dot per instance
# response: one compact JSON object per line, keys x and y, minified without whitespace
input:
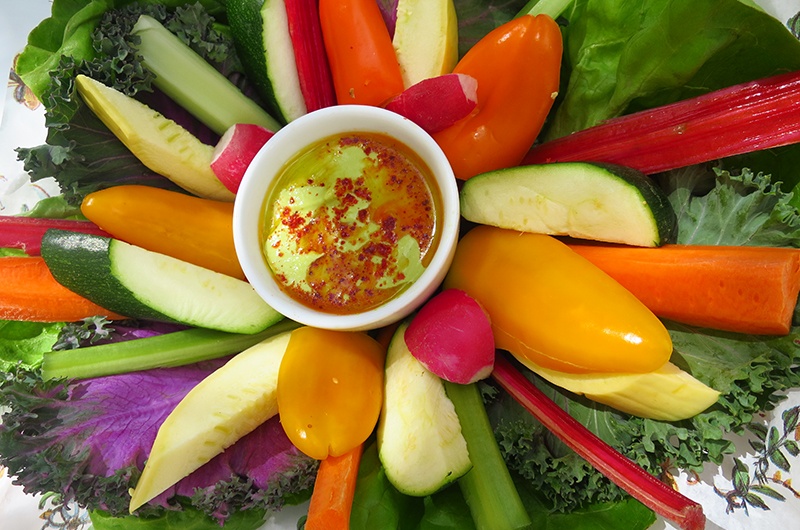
{"x":68,"y":31}
{"x":25,"y":342}
{"x":628,"y":56}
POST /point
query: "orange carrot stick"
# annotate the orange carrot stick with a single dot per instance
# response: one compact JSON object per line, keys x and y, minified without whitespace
{"x":29,"y":292}
{"x":744,"y":289}
{"x":334,"y":489}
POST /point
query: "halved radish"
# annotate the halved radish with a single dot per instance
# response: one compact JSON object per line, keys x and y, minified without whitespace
{"x":438,"y":102}
{"x":235,"y":150}
{"x":452,"y":337}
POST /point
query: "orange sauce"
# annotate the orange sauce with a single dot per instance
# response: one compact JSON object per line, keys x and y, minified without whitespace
{"x":350,"y":222}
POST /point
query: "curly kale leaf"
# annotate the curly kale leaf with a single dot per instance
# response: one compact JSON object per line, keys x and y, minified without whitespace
{"x":88,"y":442}
{"x":80,"y":151}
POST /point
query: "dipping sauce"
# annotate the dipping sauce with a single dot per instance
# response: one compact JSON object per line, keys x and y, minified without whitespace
{"x":350,"y":222}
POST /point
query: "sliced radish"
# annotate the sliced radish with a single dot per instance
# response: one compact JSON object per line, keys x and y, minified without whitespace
{"x":438,"y":102}
{"x":452,"y":337}
{"x":235,"y":150}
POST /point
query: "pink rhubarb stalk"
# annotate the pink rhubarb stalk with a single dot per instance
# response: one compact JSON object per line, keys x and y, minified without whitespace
{"x":640,"y":484}
{"x":313,"y":70}
{"x":740,"y":119}
{"x":26,"y":233}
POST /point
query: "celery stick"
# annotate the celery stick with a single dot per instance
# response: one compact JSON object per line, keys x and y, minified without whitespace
{"x":194,"y":84}
{"x":553,"y":8}
{"x":488,"y":488}
{"x":161,"y":351}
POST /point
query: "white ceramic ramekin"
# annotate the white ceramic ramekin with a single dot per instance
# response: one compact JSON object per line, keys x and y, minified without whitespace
{"x":280,"y":149}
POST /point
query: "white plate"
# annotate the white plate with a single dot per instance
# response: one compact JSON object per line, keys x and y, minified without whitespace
{"x":23,"y":125}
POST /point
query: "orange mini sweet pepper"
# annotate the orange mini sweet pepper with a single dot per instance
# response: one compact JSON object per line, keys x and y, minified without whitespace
{"x":517,"y":66}
{"x":199,"y":231}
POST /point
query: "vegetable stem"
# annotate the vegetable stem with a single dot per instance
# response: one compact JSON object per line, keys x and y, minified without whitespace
{"x":641,"y":485}
{"x":161,"y":351}
{"x":490,"y":492}
{"x":193,"y":83}
{"x":313,"y":70}
{"x":553,"y":8}
{"x":748,"y":117}
{"x":26,"y":233}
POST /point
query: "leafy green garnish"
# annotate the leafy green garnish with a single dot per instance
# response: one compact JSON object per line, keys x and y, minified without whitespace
{"x":25,"y":342}
{"x":68,"y":32}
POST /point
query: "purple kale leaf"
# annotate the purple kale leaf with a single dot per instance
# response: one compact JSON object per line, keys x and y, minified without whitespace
{"x":88,"y":441}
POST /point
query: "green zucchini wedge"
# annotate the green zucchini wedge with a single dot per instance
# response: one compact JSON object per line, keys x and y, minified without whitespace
{"x":139,"y":283}
{"x":585,"y":200}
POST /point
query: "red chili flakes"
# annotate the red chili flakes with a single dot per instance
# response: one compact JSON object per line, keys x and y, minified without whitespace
{"x":401,"y":204}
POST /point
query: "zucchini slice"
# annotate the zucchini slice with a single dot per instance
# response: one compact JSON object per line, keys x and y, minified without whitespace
{"x":142,"y":284}
{"x":585,"y":200}
{"x":260,"y":30}
{"x":419,"y":433}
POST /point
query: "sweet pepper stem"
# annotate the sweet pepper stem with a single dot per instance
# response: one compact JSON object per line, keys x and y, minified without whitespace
{"x":641,"y":485}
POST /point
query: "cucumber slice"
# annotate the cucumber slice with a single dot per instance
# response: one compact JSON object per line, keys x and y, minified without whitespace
{"x":142,"y":284}
{"x":260,"y":30}
{"x":602,"y":202}
{"x":222,"y":408}
{"x":419,"y":434}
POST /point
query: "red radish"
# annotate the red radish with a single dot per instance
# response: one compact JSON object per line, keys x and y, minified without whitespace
{"x":438,"y":102}
{"x":235,"y":150}
{"x":452,"y":337}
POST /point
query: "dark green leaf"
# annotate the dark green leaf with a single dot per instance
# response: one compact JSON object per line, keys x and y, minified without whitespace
{"x":741,"y":476}
{"x":476,"y":18}
{"x":792,"y":447}
{"x":790,"y":419}
{"x":780,"y":461}
{"x":773,"y":439}
{"x":758,"y":429}
{"x":754,"y":500}
{"x":768,"y":491}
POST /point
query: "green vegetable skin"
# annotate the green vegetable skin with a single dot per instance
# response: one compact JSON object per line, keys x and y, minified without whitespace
{"x":745,"y":45}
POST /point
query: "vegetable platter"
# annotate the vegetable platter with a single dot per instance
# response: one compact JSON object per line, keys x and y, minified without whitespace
{"x":676,"y":50}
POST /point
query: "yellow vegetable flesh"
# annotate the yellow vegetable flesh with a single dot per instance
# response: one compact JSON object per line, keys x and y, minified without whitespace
{"x":330,"y":390}
{"x":552,"y":307}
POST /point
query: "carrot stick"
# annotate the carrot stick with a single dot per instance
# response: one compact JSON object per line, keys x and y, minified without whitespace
{"x":334,"y":488}
{"x":29,"y":292}
{"x":745,"y":289}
